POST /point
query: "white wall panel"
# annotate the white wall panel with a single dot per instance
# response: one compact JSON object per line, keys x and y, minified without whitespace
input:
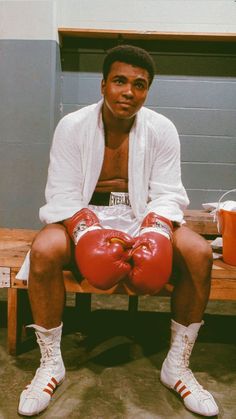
{"x":40,"y":19}
{"x":149,"y":15}
{"x":33,"y":19}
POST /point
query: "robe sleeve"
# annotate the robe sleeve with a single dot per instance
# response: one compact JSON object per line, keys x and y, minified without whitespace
{"x":63,"y":191}
{"x":167,"y":195}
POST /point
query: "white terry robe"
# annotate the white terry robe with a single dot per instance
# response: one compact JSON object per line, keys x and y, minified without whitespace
{"x":76,"y":159}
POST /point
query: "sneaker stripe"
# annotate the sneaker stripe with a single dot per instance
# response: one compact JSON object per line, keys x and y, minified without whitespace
{"x":46,"y":390}
{"x":51,"y":386}
{"x":54,"y":381}
{"x":185,"y":394}
{"x":177,"y":384}
{"x":181,"y":389}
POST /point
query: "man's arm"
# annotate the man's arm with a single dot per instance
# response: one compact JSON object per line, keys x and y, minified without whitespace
{"x":64,"y":183}
{"x":167,"y":195}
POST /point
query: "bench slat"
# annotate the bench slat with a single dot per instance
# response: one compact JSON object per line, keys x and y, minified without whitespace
{"x":14,"y":243}
{"x":223,"y":278}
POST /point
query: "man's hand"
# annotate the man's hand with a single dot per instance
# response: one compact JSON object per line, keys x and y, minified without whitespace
{"x":152,"y":255}
{"x":101,"y":255}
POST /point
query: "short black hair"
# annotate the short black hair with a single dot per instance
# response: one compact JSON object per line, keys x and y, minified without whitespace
{"x":129,"y":54}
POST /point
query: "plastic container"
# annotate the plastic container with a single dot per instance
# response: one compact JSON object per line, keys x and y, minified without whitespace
{"x":227,"y":227}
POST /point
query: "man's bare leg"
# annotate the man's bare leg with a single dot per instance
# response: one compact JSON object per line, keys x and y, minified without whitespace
{"x":50,"y":252}
{"x":193,"y":259}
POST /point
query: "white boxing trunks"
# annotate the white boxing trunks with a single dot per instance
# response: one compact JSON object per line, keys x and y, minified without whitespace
{"x":118,"y":215}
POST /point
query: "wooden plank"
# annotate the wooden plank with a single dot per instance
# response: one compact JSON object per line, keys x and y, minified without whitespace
{"x":12,"y":326}
{"x":82,"y":285}
{"x":17,"y":283}
{"x":223,"y":277}
{"x":14,"y":244}
{"x":16,"y":235}
{"x":201,"y":222}
{"x":72,"y":285}
{"x":221,"y":269}
{"x":146,"y":35}
{"x":223,"y":289}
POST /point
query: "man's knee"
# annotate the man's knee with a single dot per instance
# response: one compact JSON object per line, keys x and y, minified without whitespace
{"x":204,"y":252}
{"x":49,"y":250}
{"x":193,"y":252}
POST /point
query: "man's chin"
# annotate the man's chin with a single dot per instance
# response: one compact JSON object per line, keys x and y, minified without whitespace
{"x":125,"y":118}
{"x":125,"y":115}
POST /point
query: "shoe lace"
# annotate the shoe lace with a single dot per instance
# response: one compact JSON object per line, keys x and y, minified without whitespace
{"x":46,"y":353}
{"x":188,"y":347}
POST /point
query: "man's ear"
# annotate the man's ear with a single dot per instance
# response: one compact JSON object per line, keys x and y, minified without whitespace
{"x":103,"y":84}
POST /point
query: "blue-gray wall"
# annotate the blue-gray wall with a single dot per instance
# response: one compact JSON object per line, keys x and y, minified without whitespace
{"x":29,"y":110}
{"x":35,"y":94}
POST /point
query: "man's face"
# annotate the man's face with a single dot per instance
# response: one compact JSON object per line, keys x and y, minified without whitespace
{"x":125,"y":90}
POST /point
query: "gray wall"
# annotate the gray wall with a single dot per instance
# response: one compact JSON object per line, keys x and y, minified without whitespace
{"x":204,"y":112}
{"x":29,"y":110}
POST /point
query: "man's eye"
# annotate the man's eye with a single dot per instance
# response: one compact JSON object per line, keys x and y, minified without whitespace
{"x":140,"y":86}
{"x":119,"y":81}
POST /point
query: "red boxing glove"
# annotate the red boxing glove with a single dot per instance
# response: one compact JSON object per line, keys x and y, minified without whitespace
{"x":152,"y":255}
{"x":83,"y":220}
{"x":101,"y":255}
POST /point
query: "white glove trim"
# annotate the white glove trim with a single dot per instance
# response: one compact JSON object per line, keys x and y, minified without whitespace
{"x":159,"y":230}
{"x":78,"y":233}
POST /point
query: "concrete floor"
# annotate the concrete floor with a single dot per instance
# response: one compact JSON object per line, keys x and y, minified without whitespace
{"x":113,"y":364}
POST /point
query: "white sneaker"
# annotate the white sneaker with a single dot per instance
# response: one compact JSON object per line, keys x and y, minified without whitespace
{"x":194,"y":396}
{"x":37,"y":395}
{"x":176,"y":375}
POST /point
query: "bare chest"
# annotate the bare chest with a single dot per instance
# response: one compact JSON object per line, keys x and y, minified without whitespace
{"x":114,"y":173}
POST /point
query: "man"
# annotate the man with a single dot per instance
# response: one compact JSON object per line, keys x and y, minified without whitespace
{"x":118,"y":151}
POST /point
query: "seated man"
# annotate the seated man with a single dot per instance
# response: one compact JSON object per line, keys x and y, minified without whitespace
{"x":120,"y":152}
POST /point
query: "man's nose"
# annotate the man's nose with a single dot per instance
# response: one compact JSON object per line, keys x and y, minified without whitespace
{"x":128,"y":91}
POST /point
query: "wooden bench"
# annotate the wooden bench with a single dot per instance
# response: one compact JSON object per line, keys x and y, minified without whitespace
{"x":14,"y":244}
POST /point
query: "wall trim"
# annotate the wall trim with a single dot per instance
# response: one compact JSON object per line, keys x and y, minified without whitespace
{"x":147,"y":35}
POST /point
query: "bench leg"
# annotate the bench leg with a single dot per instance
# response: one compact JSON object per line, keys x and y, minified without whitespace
{"x":19,"y":314}
{"x":133,"y":304}
{"x":13,"y":326}
{"x":83,"y":303}
{"x":132,"y":313}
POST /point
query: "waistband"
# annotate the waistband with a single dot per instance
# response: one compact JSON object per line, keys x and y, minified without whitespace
{"x":110,"y":198}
